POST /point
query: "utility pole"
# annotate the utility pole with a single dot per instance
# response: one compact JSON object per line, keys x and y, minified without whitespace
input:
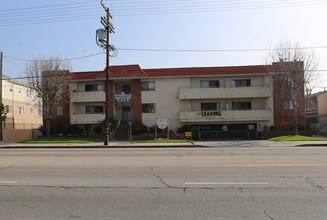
{"x":103,"y":41}
{"x":1,"y":130}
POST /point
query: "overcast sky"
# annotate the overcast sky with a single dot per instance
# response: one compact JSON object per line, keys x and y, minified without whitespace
{"x":194,"y":31}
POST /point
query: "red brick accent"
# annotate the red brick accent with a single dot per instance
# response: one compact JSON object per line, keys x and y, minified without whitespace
{"x":282,"y":117}
{"x":136,"y":100}
{"x":64,"y":119}
{"x":111,"y":104}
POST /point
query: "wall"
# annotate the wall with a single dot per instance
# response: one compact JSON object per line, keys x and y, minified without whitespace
{"x":15,"y":94}
{"x":166,"y":99}
{"x":17,"y":135}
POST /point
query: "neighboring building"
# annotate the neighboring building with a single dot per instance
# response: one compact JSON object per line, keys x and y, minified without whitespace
{"x":23,"y":113}
{"x":316,"y":111}
{"x":218,"y":102}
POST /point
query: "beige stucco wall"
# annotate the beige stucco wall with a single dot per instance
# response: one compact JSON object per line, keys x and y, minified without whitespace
{"x":322,"y":103}
{"x":14,"y":94}
{"x":17,"y":134}
{"x":224,"y":82}
{"x":168,"y":103}
{"x":166,"y":99}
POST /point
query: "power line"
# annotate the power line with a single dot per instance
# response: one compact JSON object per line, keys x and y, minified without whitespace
{"x":177,"y":50}
{"x":214,"y":50}
{"x":65,"y":59}
{"x":69,"y":12}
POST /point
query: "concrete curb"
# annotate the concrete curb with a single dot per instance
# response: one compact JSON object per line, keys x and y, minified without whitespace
{"x":197,"y":144}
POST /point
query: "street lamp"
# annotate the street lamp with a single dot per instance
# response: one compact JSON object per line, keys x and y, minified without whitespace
{"x":102,"y":40}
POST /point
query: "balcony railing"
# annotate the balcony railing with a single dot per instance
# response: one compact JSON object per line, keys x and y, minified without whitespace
{"x":225,"y":93}
{"x":86,"y":118}
{"x":226,"y":116}
{"x":312,"y":110}
{"x":97,"y":96}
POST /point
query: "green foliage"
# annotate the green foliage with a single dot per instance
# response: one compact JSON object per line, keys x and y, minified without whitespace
{"x":185,"y":128}
{"x":152,"y":129}
{"x":297,"y":138}
{"x":76,"y":129}
{"x":113,"y":123}
{"x":61,"y":140}
{"x":3,"y":112}
{"x":286,"y":128}
{"x":97,"y":129}
{"x":139,"y":128}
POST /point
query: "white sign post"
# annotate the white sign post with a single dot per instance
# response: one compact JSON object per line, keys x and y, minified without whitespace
{"x":162,"y":123}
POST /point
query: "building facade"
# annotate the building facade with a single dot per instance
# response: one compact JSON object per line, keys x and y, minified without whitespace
{"x":217,"y":102}
{"x":22,"y":107}
{"x":316,"y":111}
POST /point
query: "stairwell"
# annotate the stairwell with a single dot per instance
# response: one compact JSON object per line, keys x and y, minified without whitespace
{"x":122,"y":132}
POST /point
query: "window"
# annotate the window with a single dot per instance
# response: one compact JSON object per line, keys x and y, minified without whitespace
{"x":94,"y":109}
{"x":209,"y":83}
{"x":126,"y":89}
{"x":148,"y":86}
{"x":149,"y":108}
{"x":32,"y":110}
{"x":241,"y":83}
{"x":28,"y":93}
{"x":212,"y":106}
{"x":19,"y":90}
{"x":94,"y":88}
{"x":312,"y":120}
{"x":287,"y":104}
{"x":8,"y":108}
{"x":241,"y":105}
{"x":21,"y":110}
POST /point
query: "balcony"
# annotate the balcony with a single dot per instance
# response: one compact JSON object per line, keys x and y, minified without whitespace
{"x":225,"y":93}
{"x":226,"y":116}
{"x":86,"y":118}
{"x":312,"y":111}
{"x":98,"y":96}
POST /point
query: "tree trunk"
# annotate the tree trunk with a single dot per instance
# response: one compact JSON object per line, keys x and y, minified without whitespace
{"x":295,"y":112}
{"x":47,"y":127}
{"x":296,"y":131}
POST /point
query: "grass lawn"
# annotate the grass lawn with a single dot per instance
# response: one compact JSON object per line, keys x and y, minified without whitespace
{"x":61,"y":140}
{"x":162,"y":141}
{"x":297,"y":138}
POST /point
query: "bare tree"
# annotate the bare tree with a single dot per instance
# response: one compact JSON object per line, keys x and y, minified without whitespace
{"x":48,"y":77}
{"x":294,"y":70}
{"x":287,"y":51}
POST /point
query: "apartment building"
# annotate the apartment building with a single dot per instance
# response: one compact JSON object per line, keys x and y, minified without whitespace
{"x":316,"y":111}
{"x":22,"y":109}
{"x":218,"y":102}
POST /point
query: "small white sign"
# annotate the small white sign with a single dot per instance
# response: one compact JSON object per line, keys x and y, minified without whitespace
{"x":122,"y":97}
{"x":162,"y":123}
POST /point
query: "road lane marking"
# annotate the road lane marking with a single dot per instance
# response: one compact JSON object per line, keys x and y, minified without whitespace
{"x":228,"y":183}
{"x":7,"y":182}
{"x":5,"y":165}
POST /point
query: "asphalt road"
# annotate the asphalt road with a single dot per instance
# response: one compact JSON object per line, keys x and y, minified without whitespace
{"x":164,"y":183}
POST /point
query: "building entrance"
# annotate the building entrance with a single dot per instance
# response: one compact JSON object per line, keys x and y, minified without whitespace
{"x":126,"y":113}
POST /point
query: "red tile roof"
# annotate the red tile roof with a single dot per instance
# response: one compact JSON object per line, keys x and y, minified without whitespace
{"x":193,"y":71}
{"x":135,"y":71}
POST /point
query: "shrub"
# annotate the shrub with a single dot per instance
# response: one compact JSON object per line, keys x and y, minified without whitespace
{"x":139,"y":128}
{"x":185,"y":128}
{"x":97,"y":129}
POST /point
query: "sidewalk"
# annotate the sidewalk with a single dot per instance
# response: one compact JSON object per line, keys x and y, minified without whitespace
{"x":208,"y":144}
